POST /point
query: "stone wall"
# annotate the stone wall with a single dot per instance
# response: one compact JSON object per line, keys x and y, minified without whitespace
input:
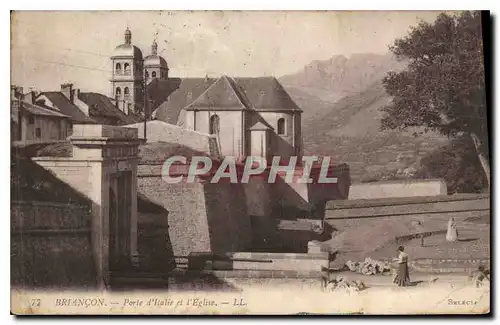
{"x":405,"y":188}
{"x":394,"y":207}
{"x":51,"y":246}
{"x":165,"y":132}
{"x":258,"y":197}
{"x":202,"y":217}
{"x":228,"y":219}
{"x":154,"y":246}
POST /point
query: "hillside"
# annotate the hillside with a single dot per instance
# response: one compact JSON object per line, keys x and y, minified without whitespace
{"x":341,"y":98}
{"x":349,"y":131}
{"x":322,"y":83}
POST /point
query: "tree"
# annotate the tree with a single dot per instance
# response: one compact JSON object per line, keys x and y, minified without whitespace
{"x":458,"y":158}
{"x":442,"y":89}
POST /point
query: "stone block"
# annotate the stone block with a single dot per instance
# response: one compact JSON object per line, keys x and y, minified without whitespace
{"x":313,"y":247}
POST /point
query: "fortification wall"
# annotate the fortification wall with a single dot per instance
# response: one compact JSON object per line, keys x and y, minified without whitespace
{"x":161,"y":131}
{"x":258,"y":195}
{"x":407,"y":206}
{"x":202,"y":217}
{"x":404,"y":188}
{"x":51,"y":246}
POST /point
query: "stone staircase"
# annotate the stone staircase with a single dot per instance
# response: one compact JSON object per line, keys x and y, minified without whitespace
{"x":135,"y":279}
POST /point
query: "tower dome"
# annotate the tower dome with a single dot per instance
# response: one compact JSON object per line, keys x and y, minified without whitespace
{"x":127,"y":50}
{"x":154,"y":60}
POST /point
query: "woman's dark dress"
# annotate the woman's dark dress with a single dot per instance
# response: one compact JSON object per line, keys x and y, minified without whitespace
{"x":402,"y":278}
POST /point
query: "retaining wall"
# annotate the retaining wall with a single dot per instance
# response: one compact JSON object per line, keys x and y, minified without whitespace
{"x":404,"y":188}
{"x":51,"y":246}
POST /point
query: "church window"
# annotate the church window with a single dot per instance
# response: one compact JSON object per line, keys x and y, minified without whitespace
{"x":126,"y":67}
{"x":153,"y":74}
{"x":126,"y":92}
{"x":214,"y":124}
{"x":118,"y":68}
{"x":118,"y":92}
{"x":281,"y":126}
{"x":147,"y":74}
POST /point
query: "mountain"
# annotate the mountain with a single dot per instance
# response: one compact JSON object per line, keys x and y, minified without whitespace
{"x":322,"y":83}
{"x":341,"y":99}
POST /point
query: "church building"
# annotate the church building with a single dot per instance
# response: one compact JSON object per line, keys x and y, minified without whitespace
{"x":247,"y":116}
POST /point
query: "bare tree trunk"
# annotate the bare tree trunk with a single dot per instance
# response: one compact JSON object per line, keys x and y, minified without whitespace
{"x":482,"y":158}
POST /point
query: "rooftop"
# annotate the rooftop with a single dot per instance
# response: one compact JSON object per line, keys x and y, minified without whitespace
{"x":102,"y":106}
{"x":66,"y":107}
{"x":259,"y":93}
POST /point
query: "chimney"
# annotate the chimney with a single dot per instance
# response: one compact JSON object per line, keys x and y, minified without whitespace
{"x":67,"y":90}
{"x":19,"y":91}
{"x":12,"y":92}
{"x":30,"y":96}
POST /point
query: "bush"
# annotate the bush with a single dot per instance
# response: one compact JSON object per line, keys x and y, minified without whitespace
{"x":457,"y":163}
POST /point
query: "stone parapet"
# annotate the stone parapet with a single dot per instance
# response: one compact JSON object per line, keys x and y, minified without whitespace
{"x":103,"y":131}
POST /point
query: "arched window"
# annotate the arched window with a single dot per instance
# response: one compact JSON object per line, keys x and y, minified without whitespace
{"x":281,"y":126}
{"x":118,"y":68}
{"x":147,"y":74}
{"x":126,"y":67}
{"x":153,"y":74}
{"x":118,"y":92}
{"x":126,"y":92}
{"x":214,"y":124}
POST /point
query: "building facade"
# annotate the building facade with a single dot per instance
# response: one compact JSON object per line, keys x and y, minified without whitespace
{"x":249,"y":117}
{"x":32,"y":123}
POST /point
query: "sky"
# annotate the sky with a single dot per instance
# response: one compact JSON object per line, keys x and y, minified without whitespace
{"x":49,"y":48}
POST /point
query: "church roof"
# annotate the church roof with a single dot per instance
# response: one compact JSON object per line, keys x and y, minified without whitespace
{"x":180,"y":93}
{"x":260,"y":93}
{"x":223,"y":94}
{"x":266,"y":93}
{"x":158,"y":90}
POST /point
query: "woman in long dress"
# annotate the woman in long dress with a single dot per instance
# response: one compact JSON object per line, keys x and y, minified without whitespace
{"x":402,"y":278}
{"x":452,"y":233}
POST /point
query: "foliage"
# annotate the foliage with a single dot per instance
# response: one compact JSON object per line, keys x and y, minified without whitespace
{"x":457,"y":163}
{"x":443,"y":87}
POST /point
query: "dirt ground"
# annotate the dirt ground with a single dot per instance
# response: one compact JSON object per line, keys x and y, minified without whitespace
{"x":451,"y":294}
{"x":353,"y":240}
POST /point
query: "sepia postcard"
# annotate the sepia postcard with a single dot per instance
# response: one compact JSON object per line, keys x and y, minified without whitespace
{"x":250,"y":163}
